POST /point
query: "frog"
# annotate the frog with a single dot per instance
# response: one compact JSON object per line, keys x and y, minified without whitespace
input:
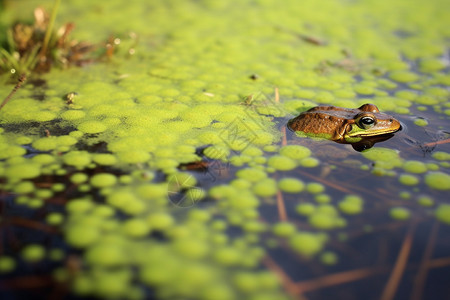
{"x":344,"y":125}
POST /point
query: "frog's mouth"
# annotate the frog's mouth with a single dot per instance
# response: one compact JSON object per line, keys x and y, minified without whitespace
{"x":368,"y":134}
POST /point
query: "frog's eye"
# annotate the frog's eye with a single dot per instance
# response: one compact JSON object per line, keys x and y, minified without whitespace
{"x":366,"y":122}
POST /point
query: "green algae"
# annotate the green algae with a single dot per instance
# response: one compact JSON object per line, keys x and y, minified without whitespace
{"x":33,"y":253}
{"x":438,"y":180}
{"x":351,"y":205}
{"x":307,"y":244}
{"x":7,"y":264}
{"x":408,"y":179}
{"x":442,"y":213}
{"x":400,"y":213}
{"x":291,"y":185}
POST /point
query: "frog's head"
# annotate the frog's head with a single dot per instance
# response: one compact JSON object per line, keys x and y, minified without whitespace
{"x":370,"y":122}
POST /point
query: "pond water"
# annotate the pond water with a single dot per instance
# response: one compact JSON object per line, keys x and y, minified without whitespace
{"x":164,"y":169}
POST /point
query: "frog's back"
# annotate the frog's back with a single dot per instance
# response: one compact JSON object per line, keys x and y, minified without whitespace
{"x":321,"y":120}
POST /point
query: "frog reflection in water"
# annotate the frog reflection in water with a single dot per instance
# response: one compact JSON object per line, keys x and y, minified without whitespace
{"x":362,"y":127}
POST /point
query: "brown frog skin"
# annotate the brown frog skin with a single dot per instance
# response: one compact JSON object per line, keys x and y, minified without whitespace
{"x":343,"y":124}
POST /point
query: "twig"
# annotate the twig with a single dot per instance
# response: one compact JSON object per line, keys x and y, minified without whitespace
{"x":394,"y":280}
{"x":281,"y":207}
{"x":419,"y":281}
{"x":337,"y":279}
{"x":26,"y":282}
{"x":22,"y":79}
{"x":277,"y":95}
{"x":437,"y":143}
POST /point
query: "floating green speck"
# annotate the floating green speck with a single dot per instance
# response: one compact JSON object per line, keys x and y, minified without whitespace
{"x":404,"y":76}
{"x":265,"y":188}
{"x":438,"y":180}
{"x":106,"y":255}
{"x":315,"y":188}
{"x":281,"y":163}
{"x":414,"y":166}
{"x":291,"y":185}
{"x":329,"y":258}
{"x":400,"y":213}
{"x":443,"y":213}
{"x":305,"y":209}
{"x":23,"y":171}
{"x":284,"y":229}
{"x":408,"y":179}
{"x":440,"y":155}
{"x":104,"y":159}
{"x":322,"y":220}
{"x":425,"y":200}
{"x":295,"y":152}
{"x":160,"y":221}
{"x":307,"y":244}
{"x":7,"y":264}
{"x":91,"y":127}
{"x":309,"y":162}
{"x":24,"y":187}
{"x":351,"y":204}
{"x":420,"y":122}
{"x":78,"y":178}
{"x":33,"y":253}
{"x":54,"y":218}
{"x":102,"y":180}
{"x":251,"y":174}
{"x":79,"y":159}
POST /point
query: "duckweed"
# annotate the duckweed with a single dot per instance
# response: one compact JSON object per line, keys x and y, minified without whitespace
{"x":305,"y":209}
{"x":420,"y":122}
{"x":33,"y":253}
{"x":414,"y":166}
{"x":284,"y":229}
{"x":105,"y":255}
{"x":404,"y":76}
{"x":440,"y":155}
{"x":78,"y":178}
{"x":103,"y":180}
{"x":23,"y":171}
{"x":104,"y":159}
{"x":322,"y":220}
{"x":438,"y":180}
{"x":81,"y":236}
{"x":251,"y":174}
{"x":425,"y":200}
{"x":265,"y":188}
{"x":309,"y":162}
{"x":92,"y":127}
{"x":24,"y":187}
{"x":78,"y":159}
{"x":7,"y":264}
{"x":291,"y":185}
{"x":281,"y":163}
{"x":307,"y":244}
{"x":329,"y":258}
{"x":315,"y":188}
{"x":54,"y":218}
{"x":443,"y":213}
{"x":400,"y":213}
{"x":408,"y":179}
{"x":160,"y":221}
{"x":351,"y":205}
{"x":295,"y":152}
